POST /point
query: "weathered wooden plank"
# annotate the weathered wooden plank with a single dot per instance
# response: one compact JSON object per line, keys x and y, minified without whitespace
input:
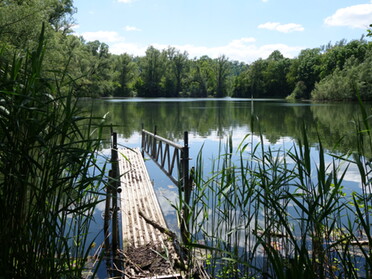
{"x":138,"y":196}
{"x":139,"y":237}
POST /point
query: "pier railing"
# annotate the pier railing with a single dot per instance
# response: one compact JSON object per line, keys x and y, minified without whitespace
{"x":113,"y":262}
{"x":173,"y":160}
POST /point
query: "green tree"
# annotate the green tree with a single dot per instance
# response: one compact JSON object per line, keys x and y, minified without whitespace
{"x":200,"y":78}
{"x":251,"y":82}
{"x":307,"y":69}
{"x":152,"y":70}
{"x":20,"y":21}
{"x":336,"y":56}
{"x":221,"y":72}
{"x":177,"y":66}
{"x":98,"y":70}
{"x":343,"y":84}
{"x":257,"y":79}
{"x":60,"y":17}
{"x":241,"y":85}
{"x":125,"y":70}
{"x":275,"y":75}
{"x":180,"y":66}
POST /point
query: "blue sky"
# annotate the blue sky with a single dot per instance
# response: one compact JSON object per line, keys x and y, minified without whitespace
{"x":243,"y":30}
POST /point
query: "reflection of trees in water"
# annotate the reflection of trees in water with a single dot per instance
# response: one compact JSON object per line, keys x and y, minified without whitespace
{"x":217,"y":117}
{"x":335,"y":125}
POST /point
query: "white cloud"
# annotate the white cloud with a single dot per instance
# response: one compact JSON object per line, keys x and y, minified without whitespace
{"x":269,"y":25}
{"x":284,"y":28}
{"x":358,"y":16}
{"x":244,"y":49}
{"x":126,"y":1}
{"x":131,"y":28}
{"x":130,"y":48}
{"x":103,"y":36}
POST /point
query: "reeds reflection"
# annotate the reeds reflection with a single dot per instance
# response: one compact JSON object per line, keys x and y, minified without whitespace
{"x":272,"y":198}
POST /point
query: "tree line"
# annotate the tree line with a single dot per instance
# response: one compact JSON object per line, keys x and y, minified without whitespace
{"x":331,"y":72}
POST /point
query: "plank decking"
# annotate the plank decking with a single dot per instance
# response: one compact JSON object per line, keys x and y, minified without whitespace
{"x":138,"y":198}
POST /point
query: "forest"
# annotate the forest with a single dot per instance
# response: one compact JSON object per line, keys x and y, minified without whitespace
{"x":329,"y":72}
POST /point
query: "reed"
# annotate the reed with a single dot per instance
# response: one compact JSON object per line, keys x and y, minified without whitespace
{"x":49,"y":176}
{"x":265,"y":213}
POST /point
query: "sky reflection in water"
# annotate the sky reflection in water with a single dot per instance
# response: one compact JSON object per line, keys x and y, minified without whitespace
{"x":210,"y":122}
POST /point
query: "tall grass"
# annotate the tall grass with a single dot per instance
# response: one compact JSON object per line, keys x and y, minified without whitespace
{"x":266,"y":213}
{"x":48,"y":173}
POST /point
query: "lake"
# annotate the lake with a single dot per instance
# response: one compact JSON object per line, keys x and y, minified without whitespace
{"x":214,"y":119}
{"x":211,"y":121}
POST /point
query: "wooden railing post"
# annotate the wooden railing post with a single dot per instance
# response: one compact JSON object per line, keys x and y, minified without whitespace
{"x":142,"y":141}
{"x":115,"y":184}
{"x":185,"y":233}
{"x":185,"y":168}
{"x":153,"y":151}
{"x":107,"y":214}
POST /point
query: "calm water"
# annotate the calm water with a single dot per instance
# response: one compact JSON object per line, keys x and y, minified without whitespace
{"x":211,"y":121}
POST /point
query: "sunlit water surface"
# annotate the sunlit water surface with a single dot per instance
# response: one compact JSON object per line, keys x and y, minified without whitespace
{"x":210,"y":122}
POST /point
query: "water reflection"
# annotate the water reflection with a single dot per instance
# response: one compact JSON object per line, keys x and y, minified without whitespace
{"x":215,"y":119}
{"x":209,"y":122}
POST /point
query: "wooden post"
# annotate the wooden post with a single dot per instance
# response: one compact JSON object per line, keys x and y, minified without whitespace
{"x":142,"y":141}
{"x":115,"y":209}
{"x":153,"y":151}
{"x":108,"y":249}
{"x":185,"y":168}
{"x":107,"y":214}
{"x":186,"y":188}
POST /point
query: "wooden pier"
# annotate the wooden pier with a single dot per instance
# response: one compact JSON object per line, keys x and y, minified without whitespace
{"x":145,"y":247}
{"x":138,"y":196}
{"x":148,"y":248}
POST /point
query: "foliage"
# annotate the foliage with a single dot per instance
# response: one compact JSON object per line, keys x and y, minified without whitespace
{"x":170,"y":72}
{"x":266,"y":213}
{"x":369,"y":31}
{"x":126,"y":72}
{"x":200,"y":77}
{"x":49,"y":175}
{"x":221,"y":72}
{"x":307,"y":69}
{"x":20,"y":21}
{"x":175,"y":76}
{"x":341,"y":84}
{"x":299,"y":92}
{"x":265,"y":78}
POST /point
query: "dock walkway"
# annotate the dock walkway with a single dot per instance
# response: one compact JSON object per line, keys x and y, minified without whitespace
{"x":139,"y":237}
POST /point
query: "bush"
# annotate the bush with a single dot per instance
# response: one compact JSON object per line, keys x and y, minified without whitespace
{"x":341,"y":84}
{"x":299,"y":92}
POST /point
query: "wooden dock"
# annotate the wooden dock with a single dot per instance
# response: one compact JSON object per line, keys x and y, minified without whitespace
{"x":147,"y":252}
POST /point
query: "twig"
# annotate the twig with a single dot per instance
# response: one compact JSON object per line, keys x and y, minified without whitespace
{"x":135,"y":266}
{"x":172,"y":235}
{"x":157,"y":226}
